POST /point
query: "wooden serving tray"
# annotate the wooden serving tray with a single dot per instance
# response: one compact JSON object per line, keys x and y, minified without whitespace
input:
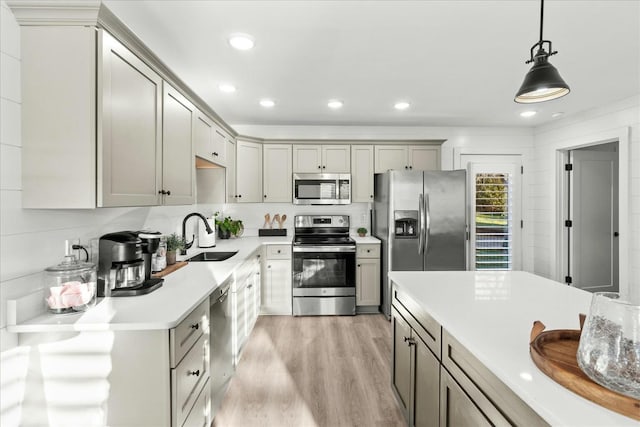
{"x":554,"y":353}
{"x":170,"y":269}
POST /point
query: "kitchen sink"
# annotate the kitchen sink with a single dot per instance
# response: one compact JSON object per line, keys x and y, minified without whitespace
{"x":212,"y":256}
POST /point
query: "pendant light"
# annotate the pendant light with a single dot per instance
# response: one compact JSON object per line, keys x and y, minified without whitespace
{"x":543,"y":81}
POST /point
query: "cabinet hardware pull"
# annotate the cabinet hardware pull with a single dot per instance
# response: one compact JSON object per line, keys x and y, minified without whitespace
{"x":406,"y":167}
{"x":410,"y":167}
{"x":406,"y":339}
{"x":239,"y":195}
{"x":268,"y":266}
{"x":278,"y":250}
{"x":196,"y":373}
{"x":324,"y":167}
{"x":168,"y":192}
{"x":319,"y":167}
{"x":160,"y":192}
{"x":368,"y":250}
{"x":215,"y":154}
{"x":265,"y":196}
{"x":358,"y":265}
{"x":195,"y":326}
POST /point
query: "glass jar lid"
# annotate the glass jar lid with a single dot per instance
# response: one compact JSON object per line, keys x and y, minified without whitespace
{"x":70,"y":265}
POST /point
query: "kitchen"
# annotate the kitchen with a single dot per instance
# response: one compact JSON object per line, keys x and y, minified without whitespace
{"x":32,"y":239}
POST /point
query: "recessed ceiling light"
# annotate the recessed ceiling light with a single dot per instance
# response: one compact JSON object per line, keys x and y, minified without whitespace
{"x":528,"y":113}
{"x":226,"y":88}
{"x":558,"y":114}
{"x":267,"y":103}
{"x":401,"y":105}
{"x":241,"y":41}
{"x":335,"y":104}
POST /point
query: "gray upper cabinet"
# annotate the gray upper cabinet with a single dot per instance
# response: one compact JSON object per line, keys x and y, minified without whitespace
{"x":203,"y":137}
{"x":309,"y":158}
{"x":94,"y":129}
{"x":415,"y":157}
{"x":277,"y":173}
{"x":248,"y":172}
{"x":178,"y":166}
{"x":361,"y":173}
{"x":129,"y":146}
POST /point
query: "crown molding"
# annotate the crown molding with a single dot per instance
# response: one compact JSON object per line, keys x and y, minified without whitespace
{"x":42,"y":12}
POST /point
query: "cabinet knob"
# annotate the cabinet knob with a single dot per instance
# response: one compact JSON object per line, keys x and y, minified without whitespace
{"x":406,"y":167}
{"x":268,"y":266}
{"x":168,"y":192}
{"x":324,"y":167}
{"x":196,"y":372}
{"x":371,"y":196}
{"x":319,"y":167}
{"x":406,"y":339}
{"x":195,"y":326}
{"x":368,"y":250}
{"x":265,"y":196}
{"x":410,"y":167}
{"x":278,"y":250}
{"x":358,"y":265}
{"x":240,"y":195}
{"x":215,"y":154}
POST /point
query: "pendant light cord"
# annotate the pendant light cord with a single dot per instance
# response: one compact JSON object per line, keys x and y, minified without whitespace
{"x":541,"y":18}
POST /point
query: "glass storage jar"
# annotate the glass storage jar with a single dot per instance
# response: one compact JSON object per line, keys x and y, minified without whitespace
{"x":70,"y":286}
{"x":609,"y":349}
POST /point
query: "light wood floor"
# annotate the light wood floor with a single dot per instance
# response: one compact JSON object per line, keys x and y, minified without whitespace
{"x":313,"y":371}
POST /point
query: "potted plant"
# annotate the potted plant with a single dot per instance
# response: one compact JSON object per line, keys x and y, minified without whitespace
{"x":174,"y":243}
{"x":228,"y":227}
{"x":362,"y":231}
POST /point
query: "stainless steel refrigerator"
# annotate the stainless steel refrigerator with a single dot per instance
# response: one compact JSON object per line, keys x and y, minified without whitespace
{"x":421,"y":219}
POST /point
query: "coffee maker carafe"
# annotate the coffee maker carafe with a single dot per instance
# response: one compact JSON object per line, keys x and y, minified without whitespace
{"x":121,"y":266}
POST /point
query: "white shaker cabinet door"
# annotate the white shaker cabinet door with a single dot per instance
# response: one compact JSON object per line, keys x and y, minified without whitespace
{"x":129,"y":146}
{"x":248,"y":172}
{"x":336,"y":159}
{"x":178,"y":163}
{"x":230,"y":171}
{"x":368,"y":282}
{"x":361,"y":173}
{"x":277,"y":177}
{"x":389,"y":157}
{"x":203,"y":137}
{"x":426,"y":158}
{"x":307,"y":158}
{"x":220,"y":147}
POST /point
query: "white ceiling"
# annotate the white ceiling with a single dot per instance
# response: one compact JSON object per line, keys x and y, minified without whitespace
{"x":459,"y":63}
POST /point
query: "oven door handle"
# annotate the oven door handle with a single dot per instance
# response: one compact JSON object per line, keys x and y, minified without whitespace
{"x":341,"y":249}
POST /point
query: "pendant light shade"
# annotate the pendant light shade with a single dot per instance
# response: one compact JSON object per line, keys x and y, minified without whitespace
{"x":543,"y":81}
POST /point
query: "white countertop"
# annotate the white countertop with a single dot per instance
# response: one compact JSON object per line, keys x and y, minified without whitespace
{"x":182,"y":291}
{"x":491,"y":314}
{"x":364,"y":240}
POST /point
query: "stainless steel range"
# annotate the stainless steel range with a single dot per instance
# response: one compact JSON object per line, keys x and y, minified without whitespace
{"x":324,"y":266}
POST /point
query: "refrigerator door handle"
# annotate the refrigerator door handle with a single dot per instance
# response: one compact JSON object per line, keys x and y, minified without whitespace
{"x":427,"y":214}
{"x":422,"y":223}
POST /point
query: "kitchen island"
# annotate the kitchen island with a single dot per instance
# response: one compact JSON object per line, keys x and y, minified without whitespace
{"x":486,"y":317}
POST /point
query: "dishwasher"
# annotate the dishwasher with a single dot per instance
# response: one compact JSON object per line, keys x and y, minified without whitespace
{"x":221,"y":354}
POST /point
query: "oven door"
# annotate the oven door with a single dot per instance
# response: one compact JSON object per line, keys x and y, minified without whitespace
{"x":324,"y":271}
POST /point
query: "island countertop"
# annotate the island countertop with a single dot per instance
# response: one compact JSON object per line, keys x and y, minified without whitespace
{"x":491,"y":315}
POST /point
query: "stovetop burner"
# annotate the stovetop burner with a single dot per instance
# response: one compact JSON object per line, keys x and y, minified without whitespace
{"x":322,"y":230}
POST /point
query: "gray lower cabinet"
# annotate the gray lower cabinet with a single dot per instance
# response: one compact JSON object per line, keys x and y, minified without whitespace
{"x":438,"y":382}
{"x":415,"y":374}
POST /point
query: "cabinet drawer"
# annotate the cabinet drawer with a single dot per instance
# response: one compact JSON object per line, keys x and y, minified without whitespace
{"x":183,"y":336}
{"x":187,"y":380}
{"x":484,"y":388}
{"x":425,"y":326}
{"x":278,"y":252}
{"x":368,"y":251}
{"x":200,"y":415}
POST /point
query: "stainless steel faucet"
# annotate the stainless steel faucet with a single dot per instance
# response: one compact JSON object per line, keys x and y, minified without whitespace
{"x":187,"y":245}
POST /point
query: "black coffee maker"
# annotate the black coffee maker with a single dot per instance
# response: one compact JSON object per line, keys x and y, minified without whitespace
{"x":124,"y":266}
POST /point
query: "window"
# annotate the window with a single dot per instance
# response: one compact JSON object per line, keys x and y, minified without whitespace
{"x":494,"y":188}
{"x":493,"y":219}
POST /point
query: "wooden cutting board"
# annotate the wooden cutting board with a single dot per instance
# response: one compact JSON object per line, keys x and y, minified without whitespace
{"x":554,"y":353}
{"x":170,"y":269}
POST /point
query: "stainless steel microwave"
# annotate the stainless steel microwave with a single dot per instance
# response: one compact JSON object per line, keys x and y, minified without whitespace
{"x":321,"y":188}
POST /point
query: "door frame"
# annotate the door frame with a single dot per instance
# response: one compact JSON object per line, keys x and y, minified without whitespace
{"x":621,"y":136}
{"x":526,"y":232}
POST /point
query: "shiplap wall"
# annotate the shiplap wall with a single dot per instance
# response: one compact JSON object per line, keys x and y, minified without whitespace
{"x":585,"y":128}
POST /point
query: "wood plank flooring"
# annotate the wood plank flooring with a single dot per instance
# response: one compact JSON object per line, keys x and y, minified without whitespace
{"x":313,"y":371}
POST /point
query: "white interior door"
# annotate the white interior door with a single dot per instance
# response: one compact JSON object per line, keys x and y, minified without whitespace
{"x":495,"y":201}
{"x":593,"y":207}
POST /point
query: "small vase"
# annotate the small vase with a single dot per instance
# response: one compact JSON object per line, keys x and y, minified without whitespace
{"x":223,"y":234}
{"x":171,"y":257}
{"x":362,"y":234}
